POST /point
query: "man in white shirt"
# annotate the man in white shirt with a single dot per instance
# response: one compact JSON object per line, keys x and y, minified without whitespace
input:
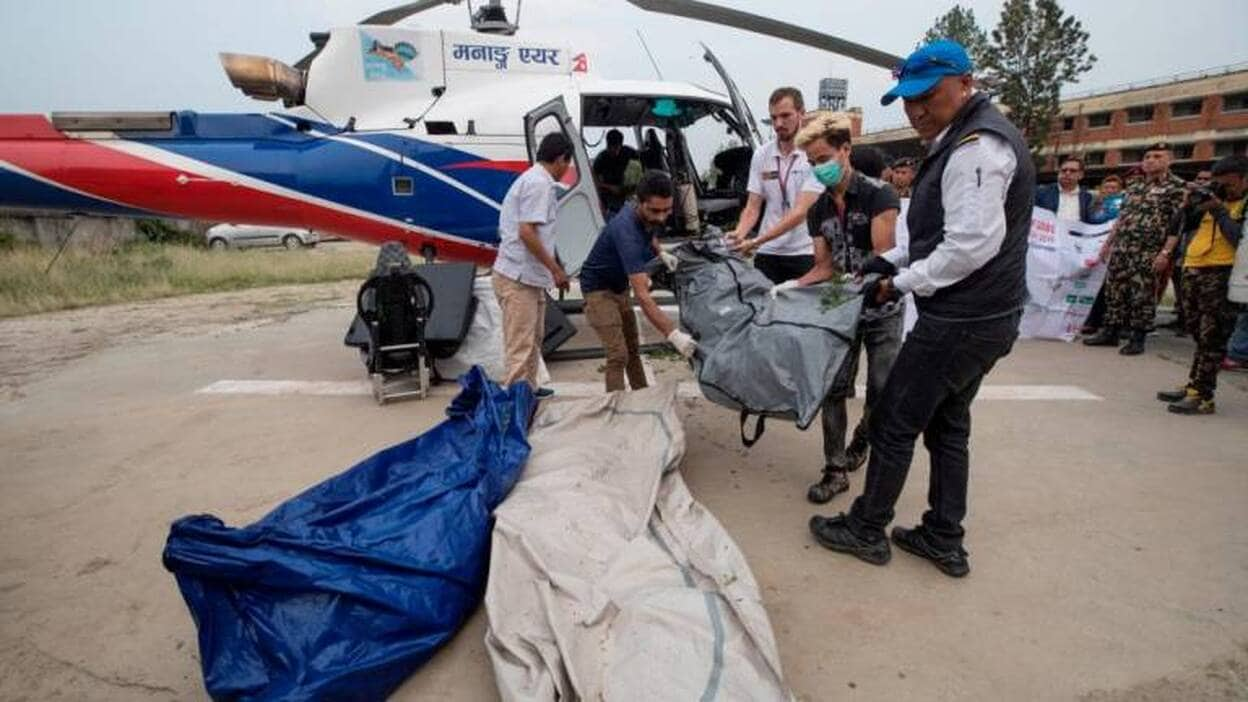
{"x":968,"y":221}
{"x":781,"y":179}
{"x":526,"y":265}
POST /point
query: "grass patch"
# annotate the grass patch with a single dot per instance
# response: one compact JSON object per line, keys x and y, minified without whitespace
{"x":149,"y":271}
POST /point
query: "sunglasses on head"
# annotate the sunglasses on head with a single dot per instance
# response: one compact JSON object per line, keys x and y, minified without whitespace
{"x":922,"y":63}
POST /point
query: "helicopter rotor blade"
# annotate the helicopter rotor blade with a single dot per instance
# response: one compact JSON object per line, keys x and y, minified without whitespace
{"x":706,"y":12}
{"x":397,"y":14}
{"x":393,"y":15}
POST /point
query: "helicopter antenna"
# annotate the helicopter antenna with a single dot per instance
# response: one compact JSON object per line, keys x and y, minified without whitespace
{"x":654,"y":63}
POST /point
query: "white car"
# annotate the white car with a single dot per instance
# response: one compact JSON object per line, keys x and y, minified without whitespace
{"x":238,"y":236}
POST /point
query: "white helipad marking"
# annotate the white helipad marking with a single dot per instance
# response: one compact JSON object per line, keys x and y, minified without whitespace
{"x":1035,"y":392}
{"x":1026,"y":392}
{"x":341,"y":388}
{"x":287,"y":387}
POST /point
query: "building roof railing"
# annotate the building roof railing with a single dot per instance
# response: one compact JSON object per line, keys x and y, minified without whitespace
{"x":1158,"y":81}
{"x":1185,"y":76}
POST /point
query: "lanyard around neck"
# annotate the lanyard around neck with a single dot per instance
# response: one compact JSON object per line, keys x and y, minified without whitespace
{"x":783,"y":179}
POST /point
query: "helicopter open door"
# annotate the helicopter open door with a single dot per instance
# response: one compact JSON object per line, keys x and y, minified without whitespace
{"x":739,"y":105}
{"x":580,"y":214}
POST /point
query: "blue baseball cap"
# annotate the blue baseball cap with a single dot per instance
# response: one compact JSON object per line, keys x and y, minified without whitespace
{"x":923,"y":69}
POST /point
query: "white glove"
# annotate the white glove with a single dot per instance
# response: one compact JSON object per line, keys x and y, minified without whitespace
{"x":683,"y":343}
{"x":669,"y":260}
{"x":786,"y":285}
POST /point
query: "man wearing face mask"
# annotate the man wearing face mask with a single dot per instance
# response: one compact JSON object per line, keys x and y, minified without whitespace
{"x":780,"y":179}
{"x":854,"y":218}
{"x":617,"y":262}
{"x":969,"y":219}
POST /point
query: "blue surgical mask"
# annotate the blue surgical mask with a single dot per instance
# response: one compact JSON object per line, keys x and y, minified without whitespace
{"x":829,"y":173}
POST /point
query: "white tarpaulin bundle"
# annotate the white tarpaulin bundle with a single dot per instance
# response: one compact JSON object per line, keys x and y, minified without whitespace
{"x":483,"y":344}
{"x":1063,"y":275}
{"x":608,"y":581}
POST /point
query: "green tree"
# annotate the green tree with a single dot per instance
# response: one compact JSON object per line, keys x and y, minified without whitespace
{"x":959,"y":25}
{"x":1035,"y":49}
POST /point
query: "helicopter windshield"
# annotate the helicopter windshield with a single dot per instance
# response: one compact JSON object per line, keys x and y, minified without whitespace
{"x":699,"y":142}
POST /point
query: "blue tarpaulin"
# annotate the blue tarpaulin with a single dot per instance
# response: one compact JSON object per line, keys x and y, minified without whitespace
{"x":342,"y":592}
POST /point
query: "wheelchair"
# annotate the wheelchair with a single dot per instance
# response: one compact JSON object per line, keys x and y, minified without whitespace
{"x":395,"y":305}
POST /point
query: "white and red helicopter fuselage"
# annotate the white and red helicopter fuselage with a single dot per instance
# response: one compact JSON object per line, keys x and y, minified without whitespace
{"x":412,"y":135}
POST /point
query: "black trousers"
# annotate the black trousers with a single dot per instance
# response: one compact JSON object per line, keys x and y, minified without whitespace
{"x":781,"y":268}
{"x":929,"y":392}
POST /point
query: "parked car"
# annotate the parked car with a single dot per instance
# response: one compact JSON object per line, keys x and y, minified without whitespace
{"x":238,"y":236}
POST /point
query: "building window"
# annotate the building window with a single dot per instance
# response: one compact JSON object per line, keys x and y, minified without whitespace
{"x":1227,"y":148}
{"x":1068,"y":124}
{"x":1100,"y":119}
{"x":403,"y":185}
{"x":1235,"y":102}
{"x":1132,"y":156}
{"x":1186,"y":108}
{"x":1143,"y":113}
{"x":1183,"y":152}
{"x":1094,"y":158}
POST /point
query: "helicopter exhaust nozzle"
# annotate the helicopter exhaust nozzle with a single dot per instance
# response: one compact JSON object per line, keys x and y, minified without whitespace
{"x":264,"y":78}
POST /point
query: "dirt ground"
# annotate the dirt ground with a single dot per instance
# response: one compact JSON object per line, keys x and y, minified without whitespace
{"x":1106,"y":537}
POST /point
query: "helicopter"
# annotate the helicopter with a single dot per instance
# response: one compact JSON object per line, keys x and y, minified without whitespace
{"x":394,"y":134}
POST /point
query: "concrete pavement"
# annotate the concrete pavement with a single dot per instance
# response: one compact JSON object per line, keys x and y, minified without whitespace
{"x":1106,"y":536}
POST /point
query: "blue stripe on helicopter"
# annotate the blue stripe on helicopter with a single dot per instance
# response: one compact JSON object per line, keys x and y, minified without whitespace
{"x":343,"y":173}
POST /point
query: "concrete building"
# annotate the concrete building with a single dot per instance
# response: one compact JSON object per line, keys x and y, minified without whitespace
{"x":1204,"y":115}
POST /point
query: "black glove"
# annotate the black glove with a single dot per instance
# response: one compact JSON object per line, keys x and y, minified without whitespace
{"x":878,"y":265}
{"x":871,"y":293}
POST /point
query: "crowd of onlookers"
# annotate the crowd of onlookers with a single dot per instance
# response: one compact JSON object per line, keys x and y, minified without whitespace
{"x":1167,"y":232}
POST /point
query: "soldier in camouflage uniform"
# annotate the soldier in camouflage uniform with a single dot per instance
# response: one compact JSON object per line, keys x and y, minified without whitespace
{"x":1141,"y":245}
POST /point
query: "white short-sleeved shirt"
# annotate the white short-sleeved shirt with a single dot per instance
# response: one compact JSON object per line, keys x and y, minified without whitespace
{"x":532,"y":198}
{"x":768,"y":171}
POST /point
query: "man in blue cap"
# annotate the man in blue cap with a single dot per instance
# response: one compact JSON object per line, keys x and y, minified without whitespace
{"x":969,"y":217}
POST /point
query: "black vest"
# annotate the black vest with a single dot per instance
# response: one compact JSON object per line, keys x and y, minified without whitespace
{"x":999,"y":287}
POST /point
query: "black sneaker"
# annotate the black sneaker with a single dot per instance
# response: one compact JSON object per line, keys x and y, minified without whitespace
{"x":1175,"y":395}
{"x":1105,"y":337}
{"x":833,"y":483}
{"x":950,"y":562}
{"x":834,"y":533}
{"x":1193,"y":404}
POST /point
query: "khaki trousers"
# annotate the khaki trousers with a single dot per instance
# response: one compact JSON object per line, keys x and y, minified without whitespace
{"x":611,"y":316}
{"x":524,"y":327}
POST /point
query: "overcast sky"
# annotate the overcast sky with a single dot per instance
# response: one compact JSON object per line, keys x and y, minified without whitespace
{"x":155,"y":54}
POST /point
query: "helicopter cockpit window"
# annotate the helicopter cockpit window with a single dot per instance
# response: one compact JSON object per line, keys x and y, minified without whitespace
{"x":403,"y":186}
{"x":703,"y":132}
{"x":700,"y":143}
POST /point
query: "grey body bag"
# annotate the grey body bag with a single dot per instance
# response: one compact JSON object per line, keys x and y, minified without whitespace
{"x":764,"y":357}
